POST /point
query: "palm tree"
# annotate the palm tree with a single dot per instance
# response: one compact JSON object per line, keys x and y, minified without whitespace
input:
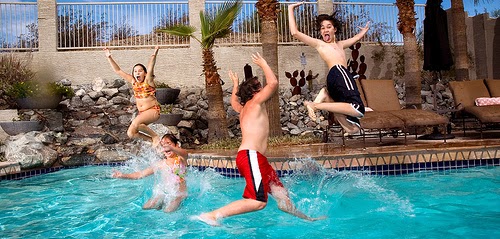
{"x":268,"y":16}
{"x":407,"y":25}
{"x":213,"y":26}
{"x":459,"y":34}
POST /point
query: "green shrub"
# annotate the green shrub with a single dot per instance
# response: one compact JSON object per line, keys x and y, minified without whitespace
{"x":31,"y":88}
{"x":59,"y":89}
{"x":14,"y":71}
{"x":166,"y":108}
{"x":22,"y":89}
{"x":161,"y":85}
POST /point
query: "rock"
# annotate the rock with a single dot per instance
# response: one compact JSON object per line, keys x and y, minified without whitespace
{"x":78,"y":160}
{"x":105,"y":154}
{"x":109,"y":139}
{"x":98,"y":84}
{"x":29,"y":151}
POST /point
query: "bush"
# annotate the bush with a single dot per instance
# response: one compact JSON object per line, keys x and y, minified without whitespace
{"x":14,"y":71}
{"x":59,"y":89}
{"x":31,"y":88}
{"x":166,"y":109}
{"x":22,"y":89}
{"x":161,"y":85}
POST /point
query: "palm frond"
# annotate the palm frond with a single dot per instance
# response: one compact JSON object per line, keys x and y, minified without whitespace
{"x":227,"y":14}
{"x":204,"y":24}
{"x":219,"y":23}
{"x":179,"y":30}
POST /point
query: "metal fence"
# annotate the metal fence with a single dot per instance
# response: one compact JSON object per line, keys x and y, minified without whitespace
{"x":118,"y":24}
{"x":133,"y":24}
{"x":18,"y":26}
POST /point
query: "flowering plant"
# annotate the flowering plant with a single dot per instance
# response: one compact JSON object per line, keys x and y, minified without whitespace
{"x":161,"y":85}
{"x":24,"y":89}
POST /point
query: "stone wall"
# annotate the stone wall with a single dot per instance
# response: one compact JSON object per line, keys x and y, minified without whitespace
{"x":92,"y":125}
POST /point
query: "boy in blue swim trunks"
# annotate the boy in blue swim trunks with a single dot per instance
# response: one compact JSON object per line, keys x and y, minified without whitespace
{"x":341,"y":95}
{"x":261,"y":179}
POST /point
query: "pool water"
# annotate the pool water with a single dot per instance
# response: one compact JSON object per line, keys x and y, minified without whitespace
{"x":87,"y":203}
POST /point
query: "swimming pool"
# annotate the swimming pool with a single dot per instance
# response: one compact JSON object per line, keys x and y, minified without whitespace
{"x":87,"y":203}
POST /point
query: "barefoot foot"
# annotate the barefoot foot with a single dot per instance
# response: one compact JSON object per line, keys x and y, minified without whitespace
{"x":317,"y":218}
{"x":205,"y":218}
{"x":354,"y":129}
{"x":310,"y":110}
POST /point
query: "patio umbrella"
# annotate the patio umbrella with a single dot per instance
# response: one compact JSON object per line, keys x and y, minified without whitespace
{"x":437,"y":54}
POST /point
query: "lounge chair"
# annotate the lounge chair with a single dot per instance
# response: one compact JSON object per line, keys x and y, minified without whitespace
{"x":493,"y":87}
{"x":372,"y":121}
{"x":381,"y":96}
{"x":465,"y":94}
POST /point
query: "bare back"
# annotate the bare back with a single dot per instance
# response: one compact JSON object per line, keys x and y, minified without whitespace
{"x":254,"y":124}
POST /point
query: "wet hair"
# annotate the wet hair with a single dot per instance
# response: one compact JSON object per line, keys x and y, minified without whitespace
{"x":141,"y":65}
{"x":171,"y":137}
{"x":247,"y":89}
{"x":325,"y":17}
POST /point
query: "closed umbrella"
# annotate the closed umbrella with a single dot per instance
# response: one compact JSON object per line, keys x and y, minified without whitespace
{"x":437,"y":54}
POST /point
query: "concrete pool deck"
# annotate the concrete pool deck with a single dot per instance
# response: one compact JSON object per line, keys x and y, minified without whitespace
{"x":390,"y":157}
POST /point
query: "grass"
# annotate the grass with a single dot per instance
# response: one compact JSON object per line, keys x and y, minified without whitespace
{"x":278,"y":141}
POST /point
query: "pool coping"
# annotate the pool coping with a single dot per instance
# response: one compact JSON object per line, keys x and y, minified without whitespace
{"x":381,"y":163}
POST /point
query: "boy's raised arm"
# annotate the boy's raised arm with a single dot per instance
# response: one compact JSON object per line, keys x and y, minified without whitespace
{"x":295,"y":31}
{"x":235,"y":103}
{"x":351,"y":41}
{"x":271,"y":80}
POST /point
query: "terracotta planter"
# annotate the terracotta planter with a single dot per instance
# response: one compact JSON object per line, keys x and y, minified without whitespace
{"x":39,"y":102}
{"x":169,"y":119}
{"x":167,"y":95}
{"x":19,"y":127}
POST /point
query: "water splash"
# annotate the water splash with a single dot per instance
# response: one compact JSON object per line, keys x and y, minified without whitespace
{"x":162,"y":185}
{"x":323,"y":189}
{"x":389,"y":197}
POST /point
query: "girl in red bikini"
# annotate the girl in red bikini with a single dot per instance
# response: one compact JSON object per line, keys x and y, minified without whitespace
{"x":142,"y":80}
{"x":170,"y":176}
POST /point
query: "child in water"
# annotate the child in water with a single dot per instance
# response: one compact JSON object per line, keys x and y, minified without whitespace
{"x":142,"y":80}
{"x":170,"y":173}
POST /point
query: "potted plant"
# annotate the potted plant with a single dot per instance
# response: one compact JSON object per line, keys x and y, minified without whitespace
{"x":13,"y":70}
{"x":21,"y":124}
{"x":167,"y":117}
{"x":32,"y":95}
{"x":165,"y":94}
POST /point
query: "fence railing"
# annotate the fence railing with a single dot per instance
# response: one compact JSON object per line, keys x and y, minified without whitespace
{"x":118,"y":24}
{"x":18,"y":26}
{"x":133,"y":24}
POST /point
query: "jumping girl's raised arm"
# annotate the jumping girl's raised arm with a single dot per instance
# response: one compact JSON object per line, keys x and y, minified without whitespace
{"x":151,"y":66}
{"x":117,"y":68}
{"x":351,"y":41}
{"x":295,"y":31}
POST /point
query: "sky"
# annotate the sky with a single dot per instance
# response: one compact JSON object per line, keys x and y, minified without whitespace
{"x":472,"y":10}
{"x":469,"y":6}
